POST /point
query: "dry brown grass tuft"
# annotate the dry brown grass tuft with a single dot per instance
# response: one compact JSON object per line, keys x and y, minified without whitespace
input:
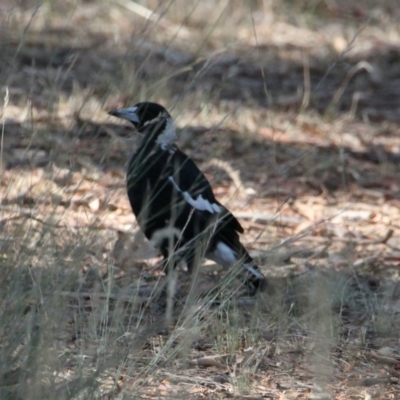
{"x":292,"y":112}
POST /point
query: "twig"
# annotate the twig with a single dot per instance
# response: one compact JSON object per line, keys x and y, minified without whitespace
{"x":358,"y":242}
{"x":194,"y":380}
{"x":125,"y":296}
{"x":6,"y":100}
{"x":29,"y":213}
{"x":154,"y":17}
{"x":362,"y":65}
{"x":363,"y":242}
{"x":366,"y":260}
{"x":269,"y":218}
{"x":307,"y":82}
{"x":233,"y":174}
{"x":342,"y":54}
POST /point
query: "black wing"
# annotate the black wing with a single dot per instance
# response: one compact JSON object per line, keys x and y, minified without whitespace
{"x":187,"y":179}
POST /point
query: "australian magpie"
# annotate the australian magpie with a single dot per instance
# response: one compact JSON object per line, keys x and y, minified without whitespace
{"x":174,"y":203}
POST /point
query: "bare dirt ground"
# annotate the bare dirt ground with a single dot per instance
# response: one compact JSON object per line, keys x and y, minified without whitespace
{"x":291,"y":110}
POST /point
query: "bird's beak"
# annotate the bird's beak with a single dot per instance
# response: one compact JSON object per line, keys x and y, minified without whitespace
{"x":126,"y":113}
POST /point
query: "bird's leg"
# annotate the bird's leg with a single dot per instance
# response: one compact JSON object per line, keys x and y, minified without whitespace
{"x":170,"y":263}
{"x":172,"y":279}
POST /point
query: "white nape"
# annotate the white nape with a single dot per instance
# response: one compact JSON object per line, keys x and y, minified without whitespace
{"x":200,"y":203}
{"x":168,"y":135}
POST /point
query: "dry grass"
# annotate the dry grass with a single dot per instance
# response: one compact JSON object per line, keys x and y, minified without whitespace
{"x":292,"y":112}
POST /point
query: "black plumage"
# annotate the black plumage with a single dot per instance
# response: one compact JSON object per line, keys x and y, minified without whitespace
{"x":174,"y":203}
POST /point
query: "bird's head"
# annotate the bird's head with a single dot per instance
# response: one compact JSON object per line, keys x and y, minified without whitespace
{"x":151,"y":119}
{"x":143,"y":115}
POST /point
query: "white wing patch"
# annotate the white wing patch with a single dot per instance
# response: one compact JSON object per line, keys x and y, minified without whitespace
{"x":200,"y":203}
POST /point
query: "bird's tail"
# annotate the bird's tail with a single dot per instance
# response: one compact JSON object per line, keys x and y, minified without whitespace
{"x":247,"y":269}
{"x":252,"y":276}
{"x":226,"y":250}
